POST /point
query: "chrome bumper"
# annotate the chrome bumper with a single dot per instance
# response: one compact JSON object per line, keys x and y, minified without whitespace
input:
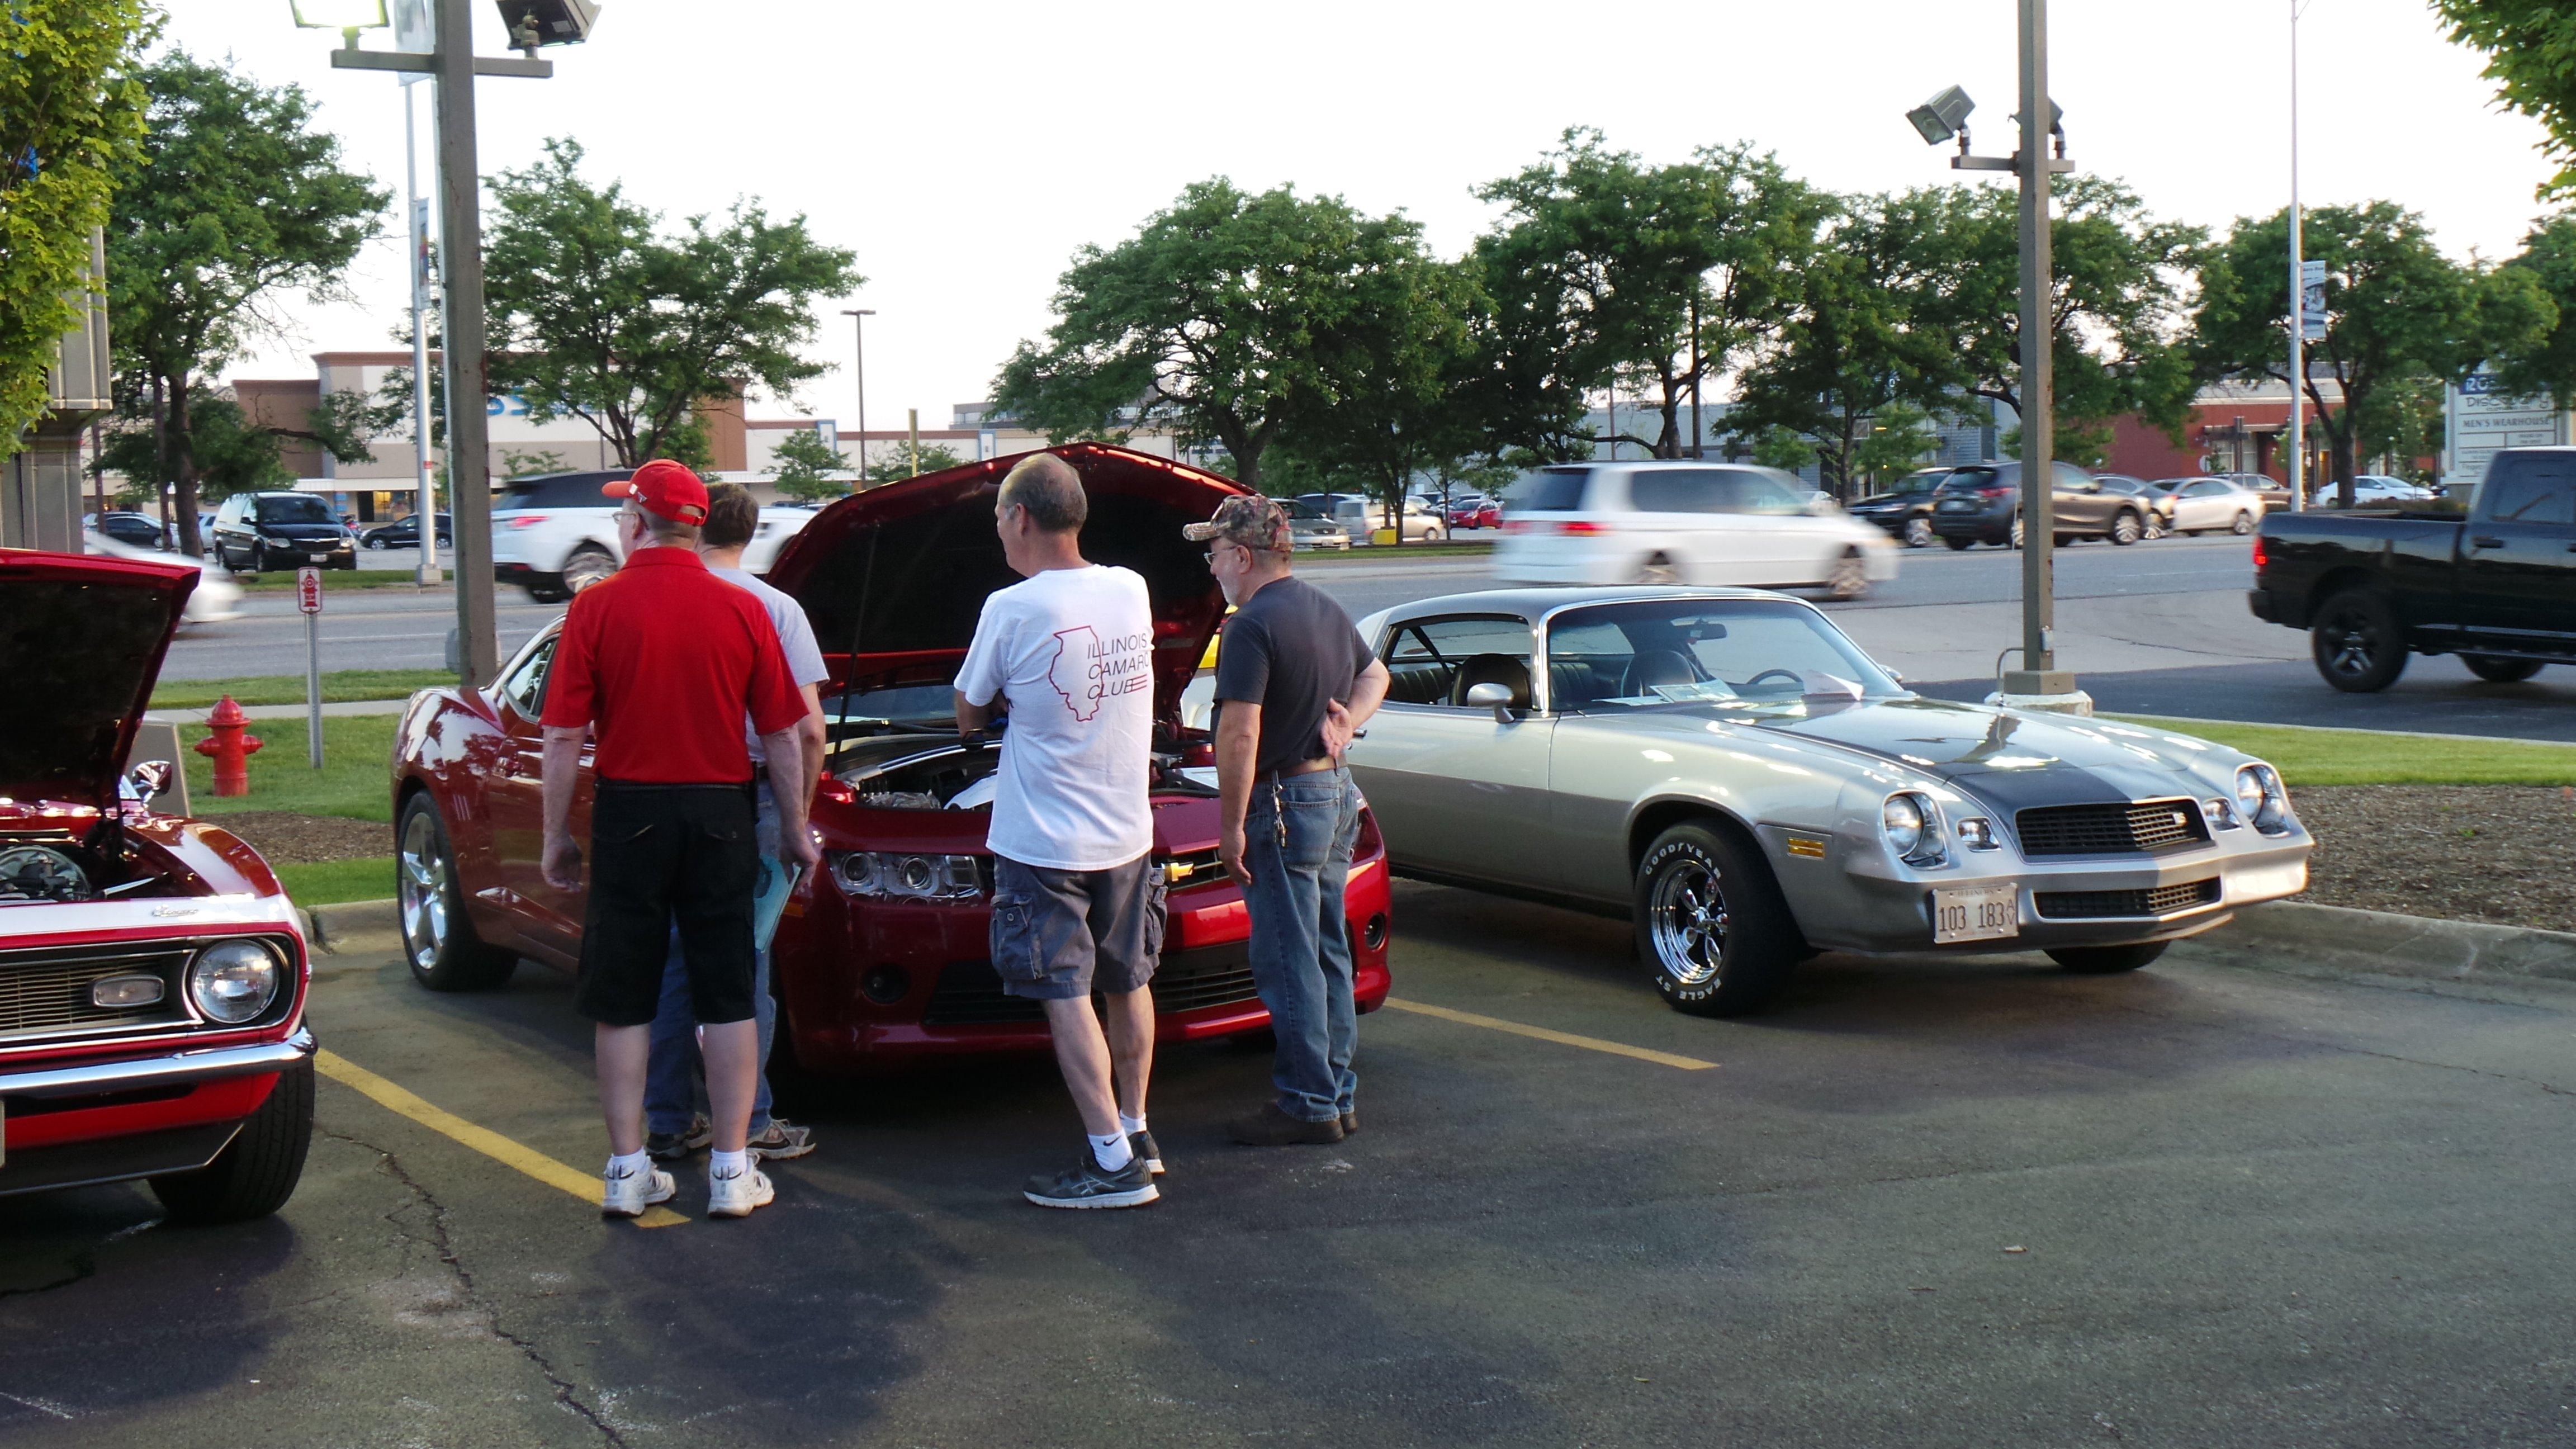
{"x":124,"y":1074}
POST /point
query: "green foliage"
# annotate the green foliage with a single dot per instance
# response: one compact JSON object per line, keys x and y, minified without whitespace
{"x":331,"y":882}
{"x":71,"y":114}
{"x":2402,"y":421}
{"x":906,"y":464}
{"x":1899,"y":437}
{"x":2542,"y":360}
{"x":803,"y":458}
{"x":2376,"y":757}
{"x":351,"y":781}
{"x":595,"y":314}
{"x":2531,"y":56}
{"x":2085,"y":442}
{"x":233,"y":198}
{"x":1781,"y":447}
{"x":532,"y":464}
{"x":337,"y":684}
{"x":233,"y":455}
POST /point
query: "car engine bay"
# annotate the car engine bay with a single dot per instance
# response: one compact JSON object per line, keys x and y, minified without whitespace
{"x":58,"y":871}
{"x":927,"y":772}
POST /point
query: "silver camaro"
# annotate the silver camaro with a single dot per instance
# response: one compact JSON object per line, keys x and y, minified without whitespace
{"x":1726,"y":768}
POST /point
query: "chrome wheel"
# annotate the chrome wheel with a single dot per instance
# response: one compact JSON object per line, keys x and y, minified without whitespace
{"x":1658,"y":570}
{"x":2016,"y":532}
{"x":1688,"y":911}
{"x":2244,"y":523}
{"x":2125,"y":530}
{"x":1918,"y":532}
{"x":1849,"y":579}
{"x":587,"y":566}
{"x":420,"y":888}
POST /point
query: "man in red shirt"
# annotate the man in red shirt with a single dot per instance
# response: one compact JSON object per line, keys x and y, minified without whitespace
{"x":661,"y":661}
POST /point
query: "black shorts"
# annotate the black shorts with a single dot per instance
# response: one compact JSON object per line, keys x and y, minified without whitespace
{"x":663,"y":856}
{"x":1063,"y":934}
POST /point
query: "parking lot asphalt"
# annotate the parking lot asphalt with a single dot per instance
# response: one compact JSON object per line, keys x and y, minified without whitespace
{"x":1920,"y":1203}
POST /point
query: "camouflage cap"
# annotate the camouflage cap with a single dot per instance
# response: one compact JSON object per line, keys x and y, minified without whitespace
{"x":1247,"y":519}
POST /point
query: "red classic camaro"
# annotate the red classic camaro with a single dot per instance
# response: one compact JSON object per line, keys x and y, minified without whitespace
{"x":884,"y":956}
{"x":152,"y":974}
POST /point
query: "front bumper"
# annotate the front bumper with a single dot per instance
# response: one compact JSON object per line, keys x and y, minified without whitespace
{"x":130,"y":1117}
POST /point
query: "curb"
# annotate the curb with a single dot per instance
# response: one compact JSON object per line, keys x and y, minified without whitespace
{"x":2386,"y":944}
{"x":327,"y":926}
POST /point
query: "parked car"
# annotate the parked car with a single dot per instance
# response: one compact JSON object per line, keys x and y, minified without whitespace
{"x":2274,"y":493}
{"x":1981,"y":503}
{"x":1308,"y":529}
{"x":2496,"y":586}
{"x":2371,"y":490}
{"x":1474,"y":510}
{"x":152,"y":1021}
{"x":2212,"y":503}
{"x":257,"y":532}
{"x":1684,"y":523}
{"x":1735,"y":776}
{"x":404,"y":533}
{"x":141,"y":530}
{"x":2160,"y":506}
{"x":213,"y":599}
{"x":884,"y":956}
{"x":1904,"y":510}
{"x":556,"y":535}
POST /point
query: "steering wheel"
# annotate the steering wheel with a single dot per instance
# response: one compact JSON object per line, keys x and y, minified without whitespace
{"x":1787,"y":674}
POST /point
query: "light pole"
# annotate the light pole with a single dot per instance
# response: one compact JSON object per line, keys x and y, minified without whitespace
{"x":425,"y":496}
{"x":2298,"y":296}
{"x":859,"y":356}
{"x":2039,"y":683}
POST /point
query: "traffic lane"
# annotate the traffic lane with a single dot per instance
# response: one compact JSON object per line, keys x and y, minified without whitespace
{"x":2436,"y":695}
{"x":2325,"y":1207}
{"x":370,"y":629}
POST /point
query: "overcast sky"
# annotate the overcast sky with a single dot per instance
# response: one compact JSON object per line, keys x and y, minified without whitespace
{"x":965,"y":152}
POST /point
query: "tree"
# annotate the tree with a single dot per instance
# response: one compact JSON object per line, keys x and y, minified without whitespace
{"x":70,"y":117}
{"x":1226,"y":316}
{"x":232,"y":199}
{"x":802,"y":461}
{"x":2395,"y":306}
{"x":930,"y":459}
{"x":1658,"y":276}
{"x":233,"y":455}
{"x":594,"y":314}
{"x":2528,"y":44}
{"x":2538,"y":357}
{"x":1387,"y":405}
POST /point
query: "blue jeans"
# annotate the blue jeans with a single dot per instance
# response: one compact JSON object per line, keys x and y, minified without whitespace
{"x":1301,"y":945}
{"x":674,"y":1077}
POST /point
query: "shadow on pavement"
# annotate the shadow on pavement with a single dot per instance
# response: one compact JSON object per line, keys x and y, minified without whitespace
{"x":2436,"y":695}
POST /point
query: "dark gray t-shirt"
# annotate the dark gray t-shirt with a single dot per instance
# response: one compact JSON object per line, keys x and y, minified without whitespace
{"x":1292,"y":651}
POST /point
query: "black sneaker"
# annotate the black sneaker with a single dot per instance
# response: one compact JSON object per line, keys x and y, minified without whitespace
{"x":1271,"y":1127}
{"x":1142,"y":1144}
{"x":1089,"y":1185}
{"x":676,"y":1146}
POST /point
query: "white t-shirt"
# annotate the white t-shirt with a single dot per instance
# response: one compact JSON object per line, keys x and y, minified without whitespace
{"x":1073,"y":652}
{"x":795,"y":639}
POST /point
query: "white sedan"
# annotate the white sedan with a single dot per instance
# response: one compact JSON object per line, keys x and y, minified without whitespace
{"x":2212,"y":505}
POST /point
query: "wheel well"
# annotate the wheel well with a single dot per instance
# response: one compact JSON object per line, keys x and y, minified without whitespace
{"x":2335,"y":582}
{"x":1663,"y":815}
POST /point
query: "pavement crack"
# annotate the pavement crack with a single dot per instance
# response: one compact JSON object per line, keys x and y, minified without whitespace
{"x":84,"y":1265}
{"x":566,"y":1392}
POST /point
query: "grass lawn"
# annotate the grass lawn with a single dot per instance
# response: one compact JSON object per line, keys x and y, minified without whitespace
{"x":337,"y":684}
{"x":2370,"y":757}
{"x":333,"y":881}
{"x":353,"y":781}
{"x":1388,"y":552}
{"x":280,"y":580}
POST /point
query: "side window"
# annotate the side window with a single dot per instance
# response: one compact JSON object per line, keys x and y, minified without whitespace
{"x":526,"y":686}
{"x":1676,"y":490}
{"x":2072,"y":478}
{"x":1587,"y":661}
{"x":1424,"y":659}
{"x":2533,"y":488}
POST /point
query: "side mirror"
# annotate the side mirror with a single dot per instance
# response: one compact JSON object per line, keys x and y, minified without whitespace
{"x":151,"y":779}
{"x":1496,"y":697}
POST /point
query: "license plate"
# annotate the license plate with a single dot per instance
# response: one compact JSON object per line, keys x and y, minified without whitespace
{"x":1958,"y":505}
{"x":1975,"y":913}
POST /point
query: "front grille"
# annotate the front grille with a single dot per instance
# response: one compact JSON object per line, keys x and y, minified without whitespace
{"x":48,"y":990}
{"x":2136,"y":827}
{"x":2154,"y":901}
{"x":970,"y":992}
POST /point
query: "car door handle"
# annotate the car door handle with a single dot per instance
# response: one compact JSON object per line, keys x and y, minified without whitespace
{"x":2486,"y":542}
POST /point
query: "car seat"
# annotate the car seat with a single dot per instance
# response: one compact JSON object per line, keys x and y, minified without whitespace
{"x":1509,"y":670}
{"x":1650,"y":667}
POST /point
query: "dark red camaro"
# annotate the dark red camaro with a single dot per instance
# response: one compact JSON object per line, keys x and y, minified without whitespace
{"x":152,"y":973}
{"x":884,"y":956}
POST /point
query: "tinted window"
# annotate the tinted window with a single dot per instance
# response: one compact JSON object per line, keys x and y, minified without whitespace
{"x":1741,"y":651}
{"x":295,"y":508}
{"x":1965,"y":479}
{"x":1675,"y":490}
{"x":1923,"y":482}
{"x":2071,"y":477}
{"x":2531,"y":488}
{"x":1550,"y":490}
{"x":558,"y":490}
{"x":1452,"y":640}
{"x":526,"y":686}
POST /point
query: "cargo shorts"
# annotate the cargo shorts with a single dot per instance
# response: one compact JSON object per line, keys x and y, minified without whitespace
{"x":1060,"y":935}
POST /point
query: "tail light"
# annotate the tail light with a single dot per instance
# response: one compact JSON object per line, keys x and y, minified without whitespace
{"x":2259,"y":551}
{"x":527,"y":520}
{"x":1582,"y":528}
{"x":1994,"y":490}
{"x":1370,"y":844}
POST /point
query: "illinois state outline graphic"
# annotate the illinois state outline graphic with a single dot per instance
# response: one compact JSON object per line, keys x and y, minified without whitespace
{"x":1069,"y":671}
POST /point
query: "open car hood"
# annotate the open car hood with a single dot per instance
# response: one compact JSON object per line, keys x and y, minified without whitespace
{"x":895,"y":578}
{"x":84,"y":636}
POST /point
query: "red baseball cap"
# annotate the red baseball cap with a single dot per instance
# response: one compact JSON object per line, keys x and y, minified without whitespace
{"x":667,"y":488}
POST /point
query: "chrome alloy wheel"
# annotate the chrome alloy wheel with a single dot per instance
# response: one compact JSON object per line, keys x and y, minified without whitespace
{"x":1919,"y":534}
{"x":1689,"y":915}
{"x":420,"y":886}
{"x":587,"y":566}
{"x":1658,"y":569}
{"x":1849,"y":578}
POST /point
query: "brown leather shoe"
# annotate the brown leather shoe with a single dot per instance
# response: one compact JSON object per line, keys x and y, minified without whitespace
{"x":1350,"y":1122}
{"x":1271,"y":1127}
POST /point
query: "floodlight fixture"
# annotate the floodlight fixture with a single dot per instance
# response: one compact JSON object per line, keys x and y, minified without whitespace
{"x":345,"y":16}
{"x":532,"y":23}
{"x":1943,"y":116}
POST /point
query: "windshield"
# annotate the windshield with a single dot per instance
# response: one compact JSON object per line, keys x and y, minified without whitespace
{"x":1964,"y":479}
{"x":1550,"y":490}
{"x":1295,"y":509}
{"x":298,"y":508}
{"x":1748,"y":653}
{"x":902,"y":706}
{"x":1923,"y":482}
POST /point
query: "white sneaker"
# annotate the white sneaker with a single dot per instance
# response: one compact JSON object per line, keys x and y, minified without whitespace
{"x":629,"y":1195}
{"x":738,"y":1195}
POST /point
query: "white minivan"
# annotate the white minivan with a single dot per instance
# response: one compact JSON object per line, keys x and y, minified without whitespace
{"x":556,"y":535}
{"x":1685,"y":522}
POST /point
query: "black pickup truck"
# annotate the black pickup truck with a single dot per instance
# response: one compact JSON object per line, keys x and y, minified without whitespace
{"x":2495,"y":585}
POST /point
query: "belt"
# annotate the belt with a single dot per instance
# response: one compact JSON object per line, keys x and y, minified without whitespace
{"x":605,"y":783}
{"x":1302,"y":767}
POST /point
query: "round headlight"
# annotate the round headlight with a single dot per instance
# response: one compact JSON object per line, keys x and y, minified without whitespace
{"x":2249,"y":793}
{"x":857,"y":870}
{"x":917,"y":874}
{"x":234,"y":981}
{"x":1903,"y":821}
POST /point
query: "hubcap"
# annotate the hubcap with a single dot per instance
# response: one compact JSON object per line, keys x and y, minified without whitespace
{"x":1658,"y":571}
{"x":2352,"y":647}
{"x":1918,"y":533}
{"x":1689,"y":914}
{"x":586,"y":568}
{"x":1850,"y":580}
{"x":421,"y":888}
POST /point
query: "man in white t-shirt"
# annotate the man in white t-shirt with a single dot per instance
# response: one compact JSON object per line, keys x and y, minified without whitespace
{"x":1077,"y":900}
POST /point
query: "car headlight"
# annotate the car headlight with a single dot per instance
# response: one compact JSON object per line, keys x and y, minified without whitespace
{"x":1978,"y":833}
{"x":234,"y":981}
{"x":1912,"y":825}
{"x":2262,"y":799}
{"x":896,"y":876}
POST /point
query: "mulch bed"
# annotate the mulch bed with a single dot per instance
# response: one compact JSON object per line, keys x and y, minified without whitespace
{"x":2503,"y":854}
{"x":285,"y":837}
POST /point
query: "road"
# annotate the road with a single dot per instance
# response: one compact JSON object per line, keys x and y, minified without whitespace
{"x":2159,"y":628}
{"x":1929,"y":1203}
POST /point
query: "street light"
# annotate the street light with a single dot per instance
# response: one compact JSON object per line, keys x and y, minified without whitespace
{"x":345,"y":16}
{"x":2039,"y":683}
{"x":859,"y":348}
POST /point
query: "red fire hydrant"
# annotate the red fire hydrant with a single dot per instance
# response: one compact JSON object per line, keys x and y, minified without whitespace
{"x":229,"y":748}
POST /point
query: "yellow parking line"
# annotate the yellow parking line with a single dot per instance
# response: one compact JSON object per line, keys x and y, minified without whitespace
{"x":403,"y":1102}
{"x":1561,"y":1038}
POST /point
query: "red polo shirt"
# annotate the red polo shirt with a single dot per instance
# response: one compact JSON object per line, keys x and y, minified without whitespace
{"x":665,"y":659}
